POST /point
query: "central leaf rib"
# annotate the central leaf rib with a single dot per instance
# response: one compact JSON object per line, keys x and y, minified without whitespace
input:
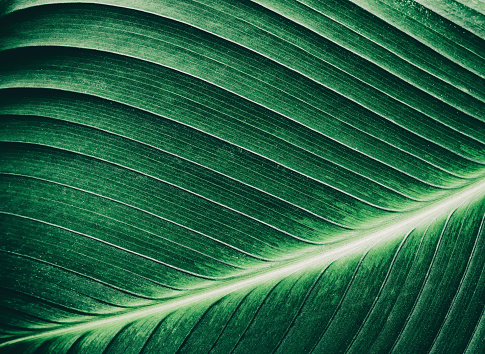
{"x":397,"y":227}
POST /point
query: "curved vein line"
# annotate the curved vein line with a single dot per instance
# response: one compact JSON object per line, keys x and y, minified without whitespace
{"x":182,"y":189}
{"x":264,"y":106}
{"x":302,"y":174}
{"x":230,"y":318}
{"x":149,"y":213}
{"x":475,"y":330}
{"x":146,"y":231}
{"x":278,"y":113}
{"x":480,"y":98}
{"x":76,"y":342}
{"x":465,"y":273}
{"x":161,"y":237}
{"x":342,"y":298}
{"x":381,"y":289}
{"x":233,"y":144}
{"x":154,"y":85}
{"x":196,"y":324}
{"x":315,"y":179}
{"x":319,"y":156}
{"x":151,"y":233}
{"x":426,"y":42}
{"x":288,"y":187}
{"x":300,"y":48}
{"x":126,"y":250}
{"x":318,"y":132}
{"x":440,"y":98}
{"x":407,"y":275}
{"x":423,"y":285}
{"x":108,"y":4}
{"x":89,"y":277}
{"x":302,"y":305}
{"x":424,"y":24}
{"x":307,"y":261}
{"x":263,"y":301}
{"x":40,"y":324}
{"x":55,"y":305}
{"x":438,"y":121}
{"x":152,"y":334}
{"x":205,"y":167}
{"x":117,"y":334}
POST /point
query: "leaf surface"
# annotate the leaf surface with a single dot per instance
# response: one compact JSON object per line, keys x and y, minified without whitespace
{"x":242,"y":176}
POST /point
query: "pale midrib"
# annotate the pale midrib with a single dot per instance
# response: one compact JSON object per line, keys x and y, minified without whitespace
{"x":397,"y":227}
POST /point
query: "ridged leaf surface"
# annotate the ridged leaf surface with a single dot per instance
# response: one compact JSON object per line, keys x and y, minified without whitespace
{"x":268,"y":176}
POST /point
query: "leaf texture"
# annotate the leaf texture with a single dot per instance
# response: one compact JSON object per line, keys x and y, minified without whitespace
{"x":242,"y":176}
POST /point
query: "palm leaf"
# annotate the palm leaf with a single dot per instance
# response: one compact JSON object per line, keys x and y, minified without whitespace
{"x":242,"y":176}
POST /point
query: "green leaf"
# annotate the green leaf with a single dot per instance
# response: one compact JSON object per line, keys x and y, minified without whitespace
{"x":268,"y":176}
